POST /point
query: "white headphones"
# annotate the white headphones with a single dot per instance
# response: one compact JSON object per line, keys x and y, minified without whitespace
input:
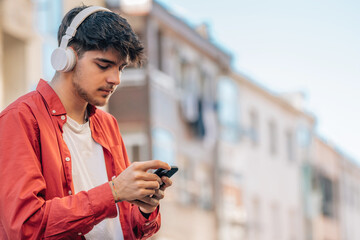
{"x":63,"y":58}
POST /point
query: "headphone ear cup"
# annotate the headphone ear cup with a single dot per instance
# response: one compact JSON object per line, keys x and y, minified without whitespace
{"x":71,"y":59}
{"x":58,"y":59}
{"x":63,"y":60}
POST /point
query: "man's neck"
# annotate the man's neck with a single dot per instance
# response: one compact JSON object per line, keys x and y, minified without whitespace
{"x":74,"y":105}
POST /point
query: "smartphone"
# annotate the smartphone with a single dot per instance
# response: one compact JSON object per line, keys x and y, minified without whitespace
{"x":163,"y":172}
{"x":168,"y":173}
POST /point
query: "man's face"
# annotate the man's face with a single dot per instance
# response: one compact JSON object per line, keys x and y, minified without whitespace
{"x":96,"y":76}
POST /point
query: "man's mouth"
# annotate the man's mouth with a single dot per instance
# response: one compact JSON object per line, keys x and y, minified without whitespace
{"x":107,"y":91}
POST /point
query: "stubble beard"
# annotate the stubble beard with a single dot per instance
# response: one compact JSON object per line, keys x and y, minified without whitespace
{"x":85,"y":95}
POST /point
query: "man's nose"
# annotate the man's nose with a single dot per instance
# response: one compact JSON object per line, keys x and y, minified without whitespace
{"x":114,"y":78}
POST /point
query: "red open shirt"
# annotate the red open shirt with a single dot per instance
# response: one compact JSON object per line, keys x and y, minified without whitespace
{"x":36,"y":185}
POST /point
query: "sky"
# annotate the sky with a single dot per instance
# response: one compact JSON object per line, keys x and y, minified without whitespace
{"x":312,"y":46}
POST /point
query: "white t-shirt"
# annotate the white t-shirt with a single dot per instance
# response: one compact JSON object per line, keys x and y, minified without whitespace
{"x":89,"y":171}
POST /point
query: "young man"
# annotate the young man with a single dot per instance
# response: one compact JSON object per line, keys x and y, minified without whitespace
{"x":64,"y":171}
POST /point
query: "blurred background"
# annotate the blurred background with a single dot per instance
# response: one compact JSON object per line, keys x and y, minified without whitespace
{"x":227,"y":95}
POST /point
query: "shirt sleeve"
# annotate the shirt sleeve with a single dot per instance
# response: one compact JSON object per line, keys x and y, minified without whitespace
{"x":24,"y":212}
{"x":146,"y":227}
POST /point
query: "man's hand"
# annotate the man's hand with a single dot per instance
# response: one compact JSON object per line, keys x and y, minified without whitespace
{"x":136,"y":183}
{"x":148,"y":204}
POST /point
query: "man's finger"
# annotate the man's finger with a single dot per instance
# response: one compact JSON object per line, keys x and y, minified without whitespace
{"x":151,"y":185}
{"x":146,"y":192}
{"x":153,"y":164}
{"x":166,"y":182}
{"x":159,"y":194}
{"x":147,"y":176}
{"x":151,"y":201}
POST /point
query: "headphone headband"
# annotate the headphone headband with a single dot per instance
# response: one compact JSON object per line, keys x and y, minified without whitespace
{"x":63,"y":59}
{"x":78,"y":19}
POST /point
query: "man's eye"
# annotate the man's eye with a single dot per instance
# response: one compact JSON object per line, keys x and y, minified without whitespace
{"x":103,"y":67}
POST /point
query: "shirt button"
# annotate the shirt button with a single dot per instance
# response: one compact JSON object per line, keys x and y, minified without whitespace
{"x":53,"y":111}
{"x":113,"y":177}
{"x":147,"y":224}
{"x":70,"y":192}
{"x":63,"y":117}
{"x":79,"y":234}
{"x":67,"y":159}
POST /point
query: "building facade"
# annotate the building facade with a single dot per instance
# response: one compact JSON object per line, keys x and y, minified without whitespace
{"x":349,"y":196}
{"x":272,"y":140}
{"x":167,"y":110}
{"x":324,"y":195}
{"x":19,"y":47}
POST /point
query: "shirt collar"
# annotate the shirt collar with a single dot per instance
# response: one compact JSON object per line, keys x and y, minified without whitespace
{"x":51,"y":98}
{"x":53,"y":101}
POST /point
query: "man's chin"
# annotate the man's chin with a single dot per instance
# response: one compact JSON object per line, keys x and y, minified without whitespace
{"x":99,"y":103}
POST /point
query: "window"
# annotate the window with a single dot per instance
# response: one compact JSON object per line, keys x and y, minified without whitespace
{"x":327,"y":205}
{"x":178,"y":68}
{"x":192,"y":102}
{"x":303,"y":136}
{"x":203,"y":177}
{"x":136,"y":146}
{"x":136,"y":153}
{"x":160,"y":43}
{"x":256,"y":218}
{"x":289,"y":145}
{"x":186,"y":181}
{"x":254,"y":128}
{"x":189,"y":92}
{"x":276,"y":221}
{"x":48,"y":19}
{"x":228,"y":109}
{"x":272,"y":137}
{"x":163,"y":146}
{"x":48,"y":16}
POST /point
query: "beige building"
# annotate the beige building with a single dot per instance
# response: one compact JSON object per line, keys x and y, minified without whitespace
{"x":19,"y":46}
{"x":28,"y":31}
{"x":335,"y":194}
{"x":166,"y":110}
{"x":349,"y":196}
{"x":265,"y":141}
{"x":325,"y":177}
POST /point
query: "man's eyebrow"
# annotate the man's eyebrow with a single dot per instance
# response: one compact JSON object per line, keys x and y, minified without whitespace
{"x":104,"y":60}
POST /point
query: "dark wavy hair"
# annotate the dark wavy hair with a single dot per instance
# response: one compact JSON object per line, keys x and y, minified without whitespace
{"x":102,"y":31}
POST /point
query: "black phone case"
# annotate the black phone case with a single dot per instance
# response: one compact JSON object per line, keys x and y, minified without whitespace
{"x":163,"y":172}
